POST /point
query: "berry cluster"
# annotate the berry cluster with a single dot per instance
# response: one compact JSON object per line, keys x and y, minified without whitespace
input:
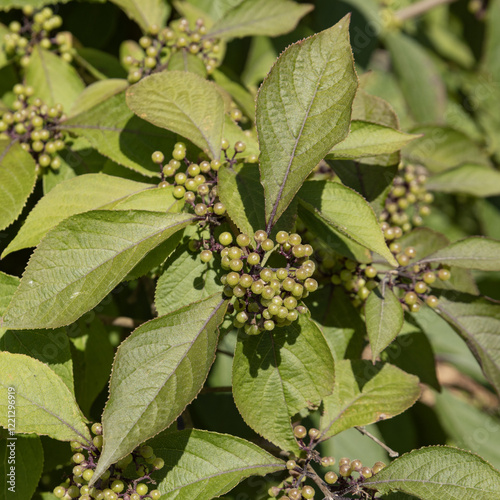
{"x":35,"y":29}
{"x":34,"y":125}
{"x":412,"y":283}
{"x":408,"y":201}
{"x":113,"y":484}
{"x":266,"y":297}
{"x":294,"y":489}
{"x":158,"y":45}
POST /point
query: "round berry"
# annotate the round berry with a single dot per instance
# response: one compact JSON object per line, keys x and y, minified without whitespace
{"x":225,"y":238}
{"x":243,"y":240}
{"x":300,"y":432}
{"x":219,"y":209}
{"x":366,"y":472}
{"x":356,"y":465}
{"x":403,"y":259}
{"x":410,"y":298}
{"x":98,"y":441}
{"x":308,"y":492}
{"x":314,"y":433}
{"x":311,"y":285}
{"x":331,"y":477}
{"x":78,"y":458}
{"x":239,"y":147}
{"x":236,"y":265}
{"x":444,"y":274}
{"x":432,"y":301}
{"x":232,"y":279}
{"x":117,"y":486}
{"x":411,"y":252}
{"x":253,"y":259}
{"x":155,"y":494}
{"x":200,"y":209}
{"x":206,"y":256}
{"x":267,"y":244}
{"x":282,"y":237}
{"x":429,"y":277}
{"x":158,"y":157}
{"x":87,"y":474}
{"x":141,"y":489}
{"x":377,"y":467}
{"x":158,"y":463}
{"x":73,"y":491}
{"x":294,"y":494}
{"x":260,"y":235}
{"x":345,"y":470}
{"x":420,"y":287}
{"x":344,"y":461}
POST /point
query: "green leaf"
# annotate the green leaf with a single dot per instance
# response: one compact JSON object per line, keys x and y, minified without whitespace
{"x":339,"y":321}
{"x":370,"y":139}
{"x":71,"y":197}
{"x":384,"y":318}
{"x":51,"y":347}
{"x":371,"y":181}
{"x":347,"y":212}
{"x":27,"y":464}
{"x":261,"y":57}
{"x":475,"y":180}
{"x":8,"y":285}
{"x":365,"y":393}
{"x":94,"y":251}
{"x":491,"y":56}
{"x":243,"y":98}
{"x":99,"y":64}
{"x":186,"y":279}
{"x":183,"y":103}
{"x":467,"y":426}
{"x":185,"y":61}
{"x":243,"y":195}
{"x":259,"y":17}
{"x":44,"y":404}
{"x":421,"y":83}
{"x":96,"y":93}
{"x":477,"y":321}
{"x":439,"y":472}
{"x":373,"y":109}
{"x":475,"y":252}
{"x":202,"y":465}
{"x":443,"y":148}
{"x":145,"y":12}
{"x":113,"y":129}
{"x":303,"y":110}
{"x":17,"y":180}
{"x":10,"y":4}
{"x":426,"y":242}
{"x":55,"y":81}
{"x":278,"y":374}
{"x":92,"y":357}
{"x":333,"y":238}
{"x":413,"y":353}
{"x":157,"y":371}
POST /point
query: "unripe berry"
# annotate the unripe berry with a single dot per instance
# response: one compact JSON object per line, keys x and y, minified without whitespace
{"x":314,"y":433}
{"x":403,"y":259}
{"x":291,"y":464}
{"x":311,"y":285}
{"x":344,"y":461}
{"x":411,"y":252}
{"x":200,"y":209}
{"x":155,"y":494}
{"x":225,"y":238}
{"x":59,"y":491}
{"x":432,"y":301}
{"x":377,"y":467}
{"x":243,"y":240}
{"x":331,"y":477}
{"x":429,"y":277}
{"x":224,"y":144}
{"x":206,"y":256}
{"x":282,"y":237}
{"x":232,"y":279}
{"x":87,"y":474}
{"x":356,"y":465}
{"x":420,"y":287}
{"x":141,"y":489}
{"x":345,"y":470}
{"x":300,"y":432}
{"x":239,"y":147}
{"x":444,"y":274}
{"x":158,"y":463}
{"x":219,"y":209}
{"x":269,"y":325}
{"x":294,"y":494}
{"x":308,"y":492}
{"x":366,"y":472}
{"x":78,"y":458}
{"x":410,"y":298}
{"x":253,"y":259}
{"x":260,"y":235}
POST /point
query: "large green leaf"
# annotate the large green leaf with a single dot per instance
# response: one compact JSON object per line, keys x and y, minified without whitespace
{"x":467,"y":426}
{"x":157,"y":371}
{"x":421,"y":83}
{"x":27,"y":464}
{"x":373,"y":109}
{"x":475,"y":252}
{"x":201,"y":465}
{"x":92,"y":355}
{"x":370,"y":139}
{"x":145,"y":12}
{"x":477,"y":320}
{"x":259,"y":17}
{"x":346,"y":211}
{"x":8,"y":285}
{"x":476,"y":180}
{"x":183,"y":103}
{"x":10,"y":4}
{"x":186,"y":279}
{"x":278,"y":374}
{"x":51,"y":347}
{"x":242,"y":193}
{"x":113,"y":129}
{"x":441,"y":148}
{"x":185,"y":61}
{"x":303,"y":110}
{"x":439,"y":472}
{"x":96,"y":93}
{"x":44,"y":404}
{"x":384,"y":318}
{"x":74,"y":196}
{"x":366,"y":393}
{"x":491,"y":57}
{"x":17,"y":180}
{"x":54,"y":80}
{"x":82,"y":260}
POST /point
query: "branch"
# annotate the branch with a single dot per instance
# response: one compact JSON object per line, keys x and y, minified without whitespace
{"x":419,"y":8}
{"x":392,"y":453}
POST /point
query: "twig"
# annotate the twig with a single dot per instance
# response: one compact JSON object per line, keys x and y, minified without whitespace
{"x":419,"y":8}
{"x":322,"y":486}
{"x":392,"y":453}
{"x":227,"y":353}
